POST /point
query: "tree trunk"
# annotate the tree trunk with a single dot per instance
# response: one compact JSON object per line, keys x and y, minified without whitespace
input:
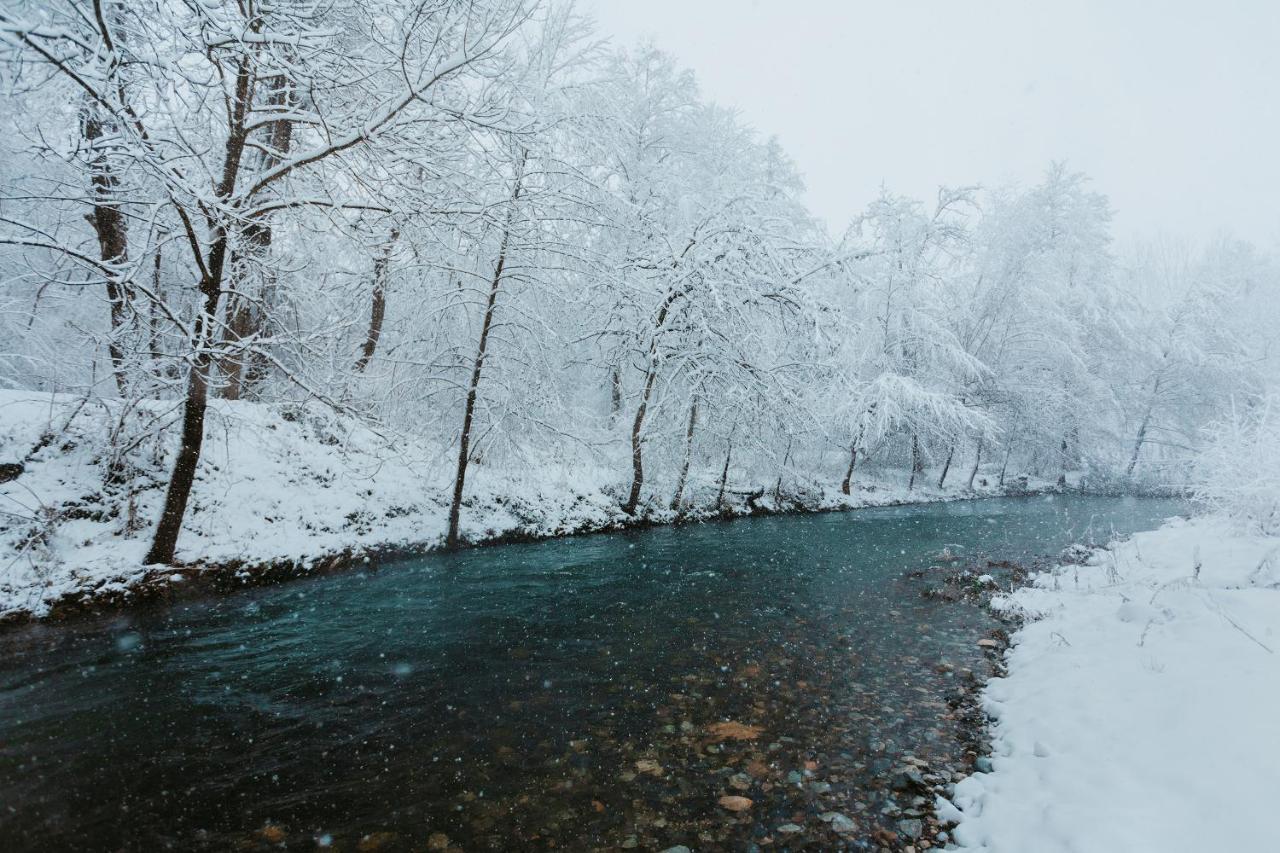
{"x":637,"y":454}
{"x":688,"y":453}
{"x":1062,"y":459}
{"x":848,"y":475}
{"x":946,"y":466}
{"x":112,"y":230}
{"x":1007,"y":451}
{"x":247,"y":319}
{"x":977,"y":460}
{"x":177,"y":495}
{"x":615,"y":393}
{"x":468,"y":415}
{"x":917,"y":461}
{"x":724,"y":477}
{"x":777,"y":487}
{"x":381,"y":274}
{"x":637,"y":425}
{"x":1138,"y":442}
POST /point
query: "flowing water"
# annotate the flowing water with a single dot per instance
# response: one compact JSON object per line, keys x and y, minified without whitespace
{"x":561,"y":694}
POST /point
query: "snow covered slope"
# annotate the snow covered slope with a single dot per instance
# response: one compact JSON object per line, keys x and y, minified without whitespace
{"x":1139,"y":712}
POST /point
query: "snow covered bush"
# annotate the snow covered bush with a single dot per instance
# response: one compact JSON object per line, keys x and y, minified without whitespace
{"x":1238,"y":474}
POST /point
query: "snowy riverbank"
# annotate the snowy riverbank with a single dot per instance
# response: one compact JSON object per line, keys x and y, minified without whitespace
{"x":289,"y":490}
{"x":1138,"y":712}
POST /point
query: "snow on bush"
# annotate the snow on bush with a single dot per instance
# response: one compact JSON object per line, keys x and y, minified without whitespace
{"x":1238,"y":474}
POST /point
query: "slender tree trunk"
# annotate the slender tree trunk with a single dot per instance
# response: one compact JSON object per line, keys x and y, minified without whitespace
{"x":112,"y":231}
{"x":688,"y":454}
{"x":946,"y":466}
{"x":1062,"y":459}
{"x":977,"y":460}
{"x":468,"y":415}
{"x":724,"y":476}
{"x":1004,"y":467}
{"x":1139,"y":441}
{"x":637,"y":441}
{"x":615,"y":393}
{"x":165,"y":542}
{"x":848,"y":475}
{"x":777,"y":487}
{"x":177,"y":495}
{"x":917,"y":461}
{"x":246,"y":319}
{"x":381,"y":275}
{"x":646,"y":393}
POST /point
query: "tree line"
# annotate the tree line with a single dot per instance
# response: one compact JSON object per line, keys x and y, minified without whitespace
{"x":474,"y":223}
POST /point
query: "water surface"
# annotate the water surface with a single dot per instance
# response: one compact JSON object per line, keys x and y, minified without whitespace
{"x":538,"y":696}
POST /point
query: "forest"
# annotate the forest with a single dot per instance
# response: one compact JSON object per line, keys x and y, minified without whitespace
{"x":476,"y":228}
{"x":294,"y":286}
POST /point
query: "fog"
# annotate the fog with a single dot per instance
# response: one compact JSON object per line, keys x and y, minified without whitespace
{"x":1170,"y":107}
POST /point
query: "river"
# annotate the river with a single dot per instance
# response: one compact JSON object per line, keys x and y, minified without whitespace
{"x":555,"y":695}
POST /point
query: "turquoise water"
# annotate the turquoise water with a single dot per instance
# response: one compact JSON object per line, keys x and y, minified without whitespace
{"x":555,"y":694}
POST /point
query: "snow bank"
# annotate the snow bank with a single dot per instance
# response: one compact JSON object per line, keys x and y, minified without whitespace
{"x":289,"y":484}
{"x":1139,"y":708}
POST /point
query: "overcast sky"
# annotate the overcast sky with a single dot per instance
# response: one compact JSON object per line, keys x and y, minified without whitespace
{"x":1172,"y":106}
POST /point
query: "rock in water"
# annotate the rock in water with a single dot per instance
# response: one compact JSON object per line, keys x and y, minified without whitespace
{"x":735,"y":803}
{"x":842,"y":824}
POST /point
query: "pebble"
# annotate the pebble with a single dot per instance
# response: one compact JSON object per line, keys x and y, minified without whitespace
{"x":911,"y":828}
{"x":790,"y":829}
{"x":842,"y":824}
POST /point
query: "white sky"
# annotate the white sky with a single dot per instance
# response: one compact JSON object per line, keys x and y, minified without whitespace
{"x":1172,"y":106}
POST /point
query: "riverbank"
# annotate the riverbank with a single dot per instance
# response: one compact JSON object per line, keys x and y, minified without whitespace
{"x":285,"y":492}
{"x":1137,"y":711}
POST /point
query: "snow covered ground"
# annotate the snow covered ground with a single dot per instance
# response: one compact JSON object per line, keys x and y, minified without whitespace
{"x":1139,"y":710}
{"x":298,"y":484}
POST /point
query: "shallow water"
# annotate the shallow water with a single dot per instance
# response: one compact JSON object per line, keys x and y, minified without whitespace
{"x":532,"y":696}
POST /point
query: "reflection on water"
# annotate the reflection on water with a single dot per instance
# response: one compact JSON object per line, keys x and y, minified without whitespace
{"x":533,"y":696}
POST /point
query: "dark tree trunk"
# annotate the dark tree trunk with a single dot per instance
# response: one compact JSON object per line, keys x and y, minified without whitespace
{"x":977,"y":460}
{"x":724,"y":476}
{"x":777,"y":487}
{"x":637,"y":442}
{"x":1062,"y":476}
{"x":1005,"y":467}
{"x":194,"y":407}
{"x":615,"y":393}
{"x":1139,"y":440}
{"x":381,"y":275}
{"x":917,"y":461}
{"x":637,"y":424}
{"x":468,"y":415}
{"x":193,"y":411}
{"x":247,"y":317}
{"x":688,"y":454}
{"x":112,"y":231}
{"x":846,"y":486}
{"x":946,"y":466}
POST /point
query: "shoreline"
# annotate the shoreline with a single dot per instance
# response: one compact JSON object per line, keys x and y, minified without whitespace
{"x":167,"y":585}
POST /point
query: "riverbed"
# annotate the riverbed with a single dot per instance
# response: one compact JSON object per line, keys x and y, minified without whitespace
{"x":598,"y":692}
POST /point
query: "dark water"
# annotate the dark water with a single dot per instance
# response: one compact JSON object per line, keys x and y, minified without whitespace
{"x":551,"y":695}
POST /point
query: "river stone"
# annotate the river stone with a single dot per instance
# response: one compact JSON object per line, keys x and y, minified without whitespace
{"x":790,"y":829}
{"x":842,"y":824}
{"x":679,"y":848}
{"x":982,"y":764}
{"x":911,"y":828}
